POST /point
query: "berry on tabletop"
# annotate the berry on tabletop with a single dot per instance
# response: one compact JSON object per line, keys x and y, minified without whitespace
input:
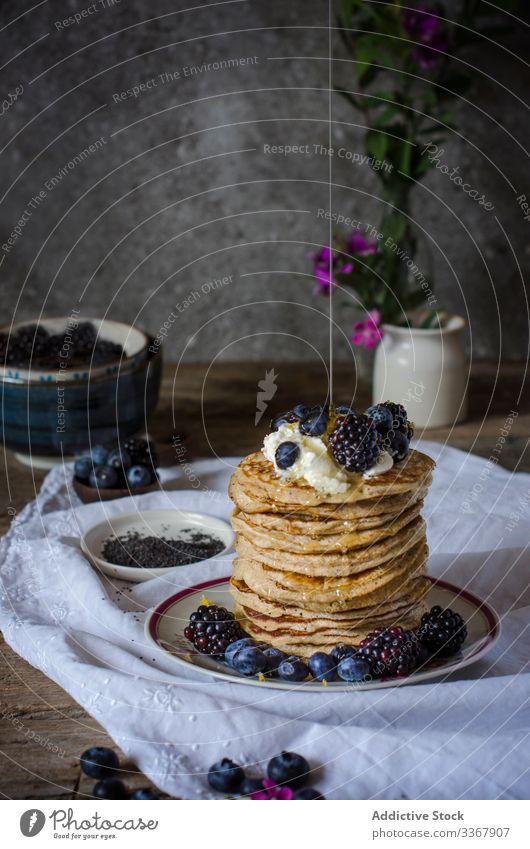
{"x":225,"y":776}
{"x":110,"y":788}
{"x":289,"y":768}
{"x":99,"y":762}
{"x":145,"y":793}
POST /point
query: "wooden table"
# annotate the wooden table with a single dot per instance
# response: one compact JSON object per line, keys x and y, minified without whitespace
{"x":42,"y":730}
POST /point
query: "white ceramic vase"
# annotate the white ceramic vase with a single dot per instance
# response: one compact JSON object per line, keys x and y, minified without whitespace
{"x":425,"y":370}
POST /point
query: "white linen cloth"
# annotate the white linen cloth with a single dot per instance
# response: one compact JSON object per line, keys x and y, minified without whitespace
{"x":462,"y":736}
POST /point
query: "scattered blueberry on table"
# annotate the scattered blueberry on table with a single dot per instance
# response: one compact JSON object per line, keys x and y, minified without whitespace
{"x":102,"y":763}
{"x":99,"y":762}
{"x":287,"y":778}
{"x":110,"y":788}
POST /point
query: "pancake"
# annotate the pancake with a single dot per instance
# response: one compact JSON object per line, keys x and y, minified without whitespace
{"x":321,"y":521}
{"x":304,"y":645}
{"x":336,"y":564}
{"x":408,"y":593}
{"x":346,"y":541}
{"x":327,"y":593}
{"x":257,"y":477}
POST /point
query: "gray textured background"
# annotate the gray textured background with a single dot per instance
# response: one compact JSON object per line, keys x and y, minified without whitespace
{"x":181,"y":191}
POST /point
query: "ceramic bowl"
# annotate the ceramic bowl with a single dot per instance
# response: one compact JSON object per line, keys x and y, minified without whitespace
{"x":168,"y":523}
{"x":135,"y":344}
{"x":51,"y":418}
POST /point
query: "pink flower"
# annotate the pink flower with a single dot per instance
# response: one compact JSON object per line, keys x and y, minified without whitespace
{"x":367,"y":333}
{"x":322,"y":271}
{"x":357,"y":244}
{"x":272,"y":791}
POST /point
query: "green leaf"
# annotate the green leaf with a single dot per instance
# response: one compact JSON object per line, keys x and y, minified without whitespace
{"x":386,"y":115}
{"x":376,"y":143}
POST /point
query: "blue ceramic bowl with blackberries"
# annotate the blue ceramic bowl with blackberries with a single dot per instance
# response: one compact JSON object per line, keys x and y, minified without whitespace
{"x":69,"y":384}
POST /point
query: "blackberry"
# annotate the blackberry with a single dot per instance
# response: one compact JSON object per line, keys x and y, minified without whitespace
{"x":400,"y":419}
{"x":141,"y":452}
{"x":354,"y":442}
{"x":211,"y":629}
{"x":442,"y":632}
{"x":390,"y":652}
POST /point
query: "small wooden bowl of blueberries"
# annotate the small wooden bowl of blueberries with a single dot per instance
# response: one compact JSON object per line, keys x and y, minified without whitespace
{"x":106,"y":473}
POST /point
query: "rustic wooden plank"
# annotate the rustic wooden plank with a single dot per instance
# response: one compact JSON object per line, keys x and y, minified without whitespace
{"x":42,"y":730}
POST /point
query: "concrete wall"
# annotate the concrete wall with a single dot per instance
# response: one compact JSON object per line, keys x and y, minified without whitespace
{"x":178,"y":189}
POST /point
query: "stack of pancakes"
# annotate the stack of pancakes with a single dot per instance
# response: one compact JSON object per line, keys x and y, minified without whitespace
{"x":314,"y":570}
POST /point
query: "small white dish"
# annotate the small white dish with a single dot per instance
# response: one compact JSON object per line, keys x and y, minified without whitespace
{"x":162,"y":523}
{"x":165,"y":625}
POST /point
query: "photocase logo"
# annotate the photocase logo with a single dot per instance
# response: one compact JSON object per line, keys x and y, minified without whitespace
{"x":32,"y":822}
{"x":266,"y":391}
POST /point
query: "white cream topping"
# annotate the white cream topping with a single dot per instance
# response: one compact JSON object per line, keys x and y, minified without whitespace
{"x":315,"y":463}
{"x":383,"y":464}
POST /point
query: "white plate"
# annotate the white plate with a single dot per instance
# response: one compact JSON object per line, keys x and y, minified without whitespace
{"x":165,"y":625}
{"x":168,"y":523}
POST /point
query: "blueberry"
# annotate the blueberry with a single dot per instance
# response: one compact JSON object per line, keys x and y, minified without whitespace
{"x":250,"y":785}
{"x":233,"y":648}
{"x":322,"y":666}
{"x":286,"y":454}
{"x":289,"y":768}
{"x":249,"y":661}
{"x":306,"y":794}
{"x":283,"y":418}
{"x":110,"y":788}
{"x":139,"y":476}
{"x":399,"y":446}
{"x":382,"y":417}
{"x":82,"y":468}
{"x":341,"y":650}
{"x":99,"y":455}
{"x":119,"y":459}
{"x":103,"y":477}
{"x":292,"y":669}
{"x":343,"y":410}
{"x":146,"y":793}
{"x":99,"y":762}
{"x":274,"y":658}
{"x":301,"y":411}
{"x":315,"y":424}
{"x":352,"y":668}
{"x":225,"y":776}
